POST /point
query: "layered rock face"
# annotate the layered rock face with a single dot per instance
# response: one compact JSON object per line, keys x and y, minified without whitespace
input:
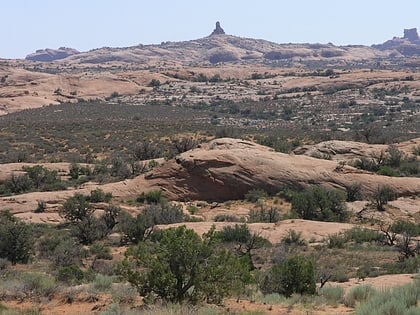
{"x":47,"y":55}
{"x":226,"y":169}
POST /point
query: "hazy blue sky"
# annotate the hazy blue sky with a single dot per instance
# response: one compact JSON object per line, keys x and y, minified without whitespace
{"x":28,"y":25}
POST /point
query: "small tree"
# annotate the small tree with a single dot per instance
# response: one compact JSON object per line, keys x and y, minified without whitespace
{"x":16,"y":239}
{"x":293,"y":275}
{"x":382,"y":195}
{"x":318,"y":203}
{"x":76,"y":208}
{"x":183,"y":267}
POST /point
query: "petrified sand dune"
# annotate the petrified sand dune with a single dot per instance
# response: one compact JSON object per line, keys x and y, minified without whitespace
{"x":226,"y":169}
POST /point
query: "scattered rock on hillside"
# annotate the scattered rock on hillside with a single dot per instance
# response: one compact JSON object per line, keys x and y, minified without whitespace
{"x":47,"y":54}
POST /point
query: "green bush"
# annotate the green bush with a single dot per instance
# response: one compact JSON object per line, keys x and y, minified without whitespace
{"x":153,"y":196}
{"x":270,"y":215}
{"x":163,"y":213}
{"x":293,"y":275}
{"x":255,"y":195}
{"x":382,"y":195}
{"x":332,"y":294}
{"x":226,"y":218}
{"x":401,"y":226}
{"x":318,"y":203}
{"x":401,"y":300}
{"x":359,"y":294}
{"x":181,"y":266}
{"x":354,"y":192}
{"x":98,"y":195}
{"x":363,"y":235}
{"x":70,"y":275}
{"x":16,"y":239}
{"x":103,"y":283}
{"x":38,"y":284}
{"x":134,"y":230}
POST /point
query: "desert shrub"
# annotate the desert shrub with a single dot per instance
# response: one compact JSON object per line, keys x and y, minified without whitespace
{"x":16,"y":239}
{"x":226,"y":218}
{"x":84,"y":225}
{"x":88,"y":230}
{"x":17,"y":184}
{"x":386,"y":170}
{"x":336,"y":240}
{"x":62,"y":250}
{"x":382,"y":195}
{"x":76,"y":208}
{"x":363,"y":235}
{"x":181,"y":266}
{"x":146,"y":150}
{"x":332,"y":294}
{"x":43,"y":179}
{"x":103,"y":283}
{"x":354,"y":192}
{"x":255,"y":194}
{"x":263,"y":214}
{"x":123,"y":293}
{"x":366,"y":164}
{"x":401,"y":226}
{"x":70,"y":275}
{"x":42,"y":206}
{"x":100,"y":251}
{"x":38,"y":284}
{"x":67,"y":253}
{"x":318,"y":203}
{"x":340,"y":275}
{"x":394,"y":157}
{"x":410,"y":168}
{"x":399,"y":300}
{"x":359,"y":294}
{"x":293,"y":238}
{"x":134,"y":230}
{"x":293,"y":275}
{"x":153,"y":196}
{"x":110,"y":216}
{"x":98,"y":195}
{"x":243,"y":241}
{"x":416,"y":150}
{"x":184,"y":144}
{"x":163,"y":213}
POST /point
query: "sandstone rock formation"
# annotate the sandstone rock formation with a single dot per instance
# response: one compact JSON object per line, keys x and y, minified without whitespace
{"x":409,"y":45}
{"x":47,"y":55}
{"x":218,"y":30}
{"x":411,"y":34}
{"x":227,"y":169}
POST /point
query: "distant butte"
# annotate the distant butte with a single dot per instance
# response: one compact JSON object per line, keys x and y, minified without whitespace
{"x":218,"y":30}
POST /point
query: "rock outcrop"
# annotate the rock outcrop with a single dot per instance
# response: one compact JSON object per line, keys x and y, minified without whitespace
{"x":409,"y":45}
{"x":411,"y":35}
{"x":226,"y":169}
{"x":218,"y":30}
{"x":47,"y":55}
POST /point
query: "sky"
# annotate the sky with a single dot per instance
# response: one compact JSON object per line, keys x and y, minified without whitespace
{"x":28,"y":25}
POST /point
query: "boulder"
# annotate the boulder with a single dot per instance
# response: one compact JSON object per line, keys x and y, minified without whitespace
{"x":226,"y":169}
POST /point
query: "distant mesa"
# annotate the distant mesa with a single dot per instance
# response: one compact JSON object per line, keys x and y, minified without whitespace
{"x":411,"y":34}
{"x":47,"y":55}
{"x":218,"y":30}
{"x":408,"y":45}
